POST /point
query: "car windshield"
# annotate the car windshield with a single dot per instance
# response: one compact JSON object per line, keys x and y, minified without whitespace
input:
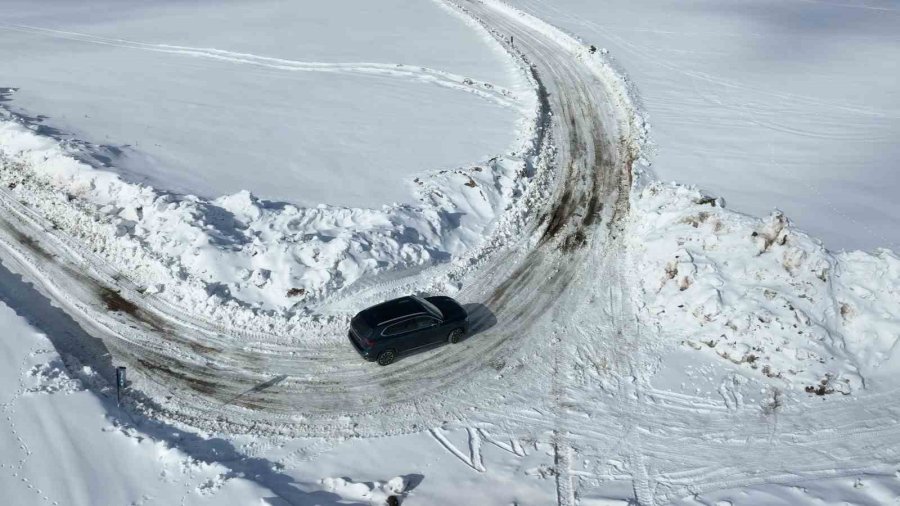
{"x":431,"y":308}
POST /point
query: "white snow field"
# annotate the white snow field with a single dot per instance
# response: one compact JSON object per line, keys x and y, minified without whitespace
{"x":62,"y":444}
{"x":788,"y":104}
{"x":633,"y":341}
{"x":340,"y":104}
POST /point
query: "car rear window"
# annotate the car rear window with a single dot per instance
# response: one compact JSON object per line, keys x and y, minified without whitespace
{"x":361,"y":326}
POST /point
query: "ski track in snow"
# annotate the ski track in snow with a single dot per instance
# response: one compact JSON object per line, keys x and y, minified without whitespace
{"x":414,"y":73}
{"x":474,"y":460}
{"x":566,"y":361}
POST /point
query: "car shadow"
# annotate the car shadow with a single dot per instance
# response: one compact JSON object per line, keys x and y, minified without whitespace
{"x":481,"y":318}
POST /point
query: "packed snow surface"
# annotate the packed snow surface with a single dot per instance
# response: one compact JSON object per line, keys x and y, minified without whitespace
{"x":787,"y":104}
{"x":340,"y":103}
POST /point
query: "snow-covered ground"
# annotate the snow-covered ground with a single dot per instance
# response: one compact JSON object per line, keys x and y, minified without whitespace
{"x":343,"y":103}
{"x":862,"y":490}
{"x":635,"y":341}
{"x":62,"y":443}
{"x":788,"y":104}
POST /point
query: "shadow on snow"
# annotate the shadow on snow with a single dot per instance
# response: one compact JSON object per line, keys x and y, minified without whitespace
{"x":70,"y":339}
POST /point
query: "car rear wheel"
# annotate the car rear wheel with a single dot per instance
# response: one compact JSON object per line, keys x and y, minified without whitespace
{"x":455,"y":336}
{"x":386,"y":357}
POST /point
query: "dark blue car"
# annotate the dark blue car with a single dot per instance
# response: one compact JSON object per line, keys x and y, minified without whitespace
{"x":399,"y":326}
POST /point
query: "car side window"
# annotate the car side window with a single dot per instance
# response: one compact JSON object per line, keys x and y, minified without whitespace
{"x":399,"y":328}
{"x":423,"y":322}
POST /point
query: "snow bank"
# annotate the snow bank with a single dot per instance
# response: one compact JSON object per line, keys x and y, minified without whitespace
{"x":236,"y":257}
{"x":761,"y":293}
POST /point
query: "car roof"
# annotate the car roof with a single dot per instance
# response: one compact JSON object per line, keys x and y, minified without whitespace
{"x":393,"y":309}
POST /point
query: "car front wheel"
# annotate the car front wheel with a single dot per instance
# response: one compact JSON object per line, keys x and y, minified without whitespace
{"x":455,"y":336}
{"x":386,"y":357}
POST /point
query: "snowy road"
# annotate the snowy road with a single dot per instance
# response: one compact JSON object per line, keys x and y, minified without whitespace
{"x":558,"y":355}
{"x":206,"y":374}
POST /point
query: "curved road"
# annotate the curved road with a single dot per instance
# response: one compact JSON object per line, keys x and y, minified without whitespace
{"x":194,"y":372}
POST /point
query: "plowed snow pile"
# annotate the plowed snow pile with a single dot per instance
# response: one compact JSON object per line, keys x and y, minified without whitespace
{"x":762,"y":294}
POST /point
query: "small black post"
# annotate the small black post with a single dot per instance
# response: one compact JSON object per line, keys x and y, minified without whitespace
{"x":120,"y":383}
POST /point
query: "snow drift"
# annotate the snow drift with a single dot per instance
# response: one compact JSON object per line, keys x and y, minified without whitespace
{"x":762,"y":294}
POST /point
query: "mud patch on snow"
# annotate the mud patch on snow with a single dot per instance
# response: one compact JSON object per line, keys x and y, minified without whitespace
{"x":558,"y":216}
{"x":27,"y":242}
{"x":194,"y":383}
{"x":115,"y":302}
{"x":594,"y":208}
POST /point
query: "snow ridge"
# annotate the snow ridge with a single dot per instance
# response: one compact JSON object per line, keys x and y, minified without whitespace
{"x":243,"y":262}
{"x":762,"y":294}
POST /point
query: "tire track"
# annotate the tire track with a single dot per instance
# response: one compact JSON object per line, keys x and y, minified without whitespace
{"x":483,"y":89}
{"x":201,"y":373}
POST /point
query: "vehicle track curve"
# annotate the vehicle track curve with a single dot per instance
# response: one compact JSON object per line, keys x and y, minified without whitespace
{"x":201,"y":374}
